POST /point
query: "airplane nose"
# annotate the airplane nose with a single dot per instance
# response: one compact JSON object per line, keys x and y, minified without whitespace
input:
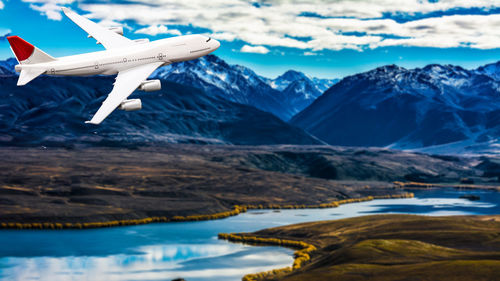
{"x":216,"y":45}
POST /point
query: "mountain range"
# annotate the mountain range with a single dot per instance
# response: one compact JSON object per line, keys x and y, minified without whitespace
{"x":439,"y":108}
{"x":284,"y":96}
{"x":436,"y":109}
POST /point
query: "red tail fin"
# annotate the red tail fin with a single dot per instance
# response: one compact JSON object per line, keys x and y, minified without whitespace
{"x":21,"y":48}
{"x":27,"y":53}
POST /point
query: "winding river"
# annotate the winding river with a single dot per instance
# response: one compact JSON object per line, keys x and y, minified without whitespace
{"x":190,"y":250}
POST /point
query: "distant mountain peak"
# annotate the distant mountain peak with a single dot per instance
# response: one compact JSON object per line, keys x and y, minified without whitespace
{"x":7,"y":66}
{"x":292,"y":75}
{"x":492,"y":70}
{"x":241,"y":84}
{"x":408,"y":108}
{"x":389,"y":69}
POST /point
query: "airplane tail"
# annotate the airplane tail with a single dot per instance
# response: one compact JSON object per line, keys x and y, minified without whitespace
{"x":27,"y":54}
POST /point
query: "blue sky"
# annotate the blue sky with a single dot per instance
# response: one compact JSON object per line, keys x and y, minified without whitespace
{"x":327,"y":39}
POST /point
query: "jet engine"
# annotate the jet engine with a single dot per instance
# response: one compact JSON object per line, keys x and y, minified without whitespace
{"x":130,"y":105}
{"x":150,"y":85}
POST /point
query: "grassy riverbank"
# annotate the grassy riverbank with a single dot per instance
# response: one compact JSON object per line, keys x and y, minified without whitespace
{"x":237,"y":209}
{"x":390,"y":247}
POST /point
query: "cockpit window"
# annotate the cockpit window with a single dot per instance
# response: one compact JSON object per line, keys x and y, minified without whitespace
{"x":208,"y":39}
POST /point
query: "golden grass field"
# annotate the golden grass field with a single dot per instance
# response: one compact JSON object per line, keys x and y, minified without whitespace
{"x":394,"y":247}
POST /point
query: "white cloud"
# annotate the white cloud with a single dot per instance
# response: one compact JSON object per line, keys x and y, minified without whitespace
{"x":254,"y":49}
{"x":154,"y":30}
{"x":312,"y":25}
{"x":4,"y":33}
{"x":1,"y":5}
{"x":226,"y":36}
{"x":50,"y":8}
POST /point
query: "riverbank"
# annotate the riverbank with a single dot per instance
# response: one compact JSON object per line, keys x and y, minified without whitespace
{"x":388,"y":247}
{"x":237,"y":209}
{"x":462,"y":186}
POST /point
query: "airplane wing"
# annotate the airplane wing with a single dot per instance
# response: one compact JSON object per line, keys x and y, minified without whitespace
{"x":108,"y":38}
{"x":126,"y":83}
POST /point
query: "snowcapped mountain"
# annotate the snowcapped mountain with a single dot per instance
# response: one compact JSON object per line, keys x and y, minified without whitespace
{"x":408,"y":108}
{"x":492,"y":70}
{"x":7,"y":66}
{"x":235,"y":83}
{"x":323,"y":84}
{"x":299,"y":90}
{"x":283,"y":81}
{"x":240,"y":84}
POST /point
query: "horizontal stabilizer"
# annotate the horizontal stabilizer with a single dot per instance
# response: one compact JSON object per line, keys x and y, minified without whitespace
{"x":29,"y":74}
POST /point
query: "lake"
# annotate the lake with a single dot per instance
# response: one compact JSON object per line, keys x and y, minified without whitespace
{"x":190,"y":250}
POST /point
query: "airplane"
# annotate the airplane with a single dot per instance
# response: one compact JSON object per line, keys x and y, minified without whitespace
{"x":132,"y":60}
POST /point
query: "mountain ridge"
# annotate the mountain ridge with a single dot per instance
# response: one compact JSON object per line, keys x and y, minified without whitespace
{"x":391,"y":106}
{"x":242,"y":85}
{"x":434,"y":109}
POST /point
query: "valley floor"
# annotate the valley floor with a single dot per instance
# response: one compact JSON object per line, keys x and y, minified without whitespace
{"x":103,"y":184}
{"x":111,"y":184}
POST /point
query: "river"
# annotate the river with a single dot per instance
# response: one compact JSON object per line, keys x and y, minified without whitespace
{"x":190,"y":250}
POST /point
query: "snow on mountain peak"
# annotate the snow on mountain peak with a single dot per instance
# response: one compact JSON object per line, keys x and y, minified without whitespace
{"x":284,"y":96}
{"x":491,"y":70}
{"x":408,"y":108}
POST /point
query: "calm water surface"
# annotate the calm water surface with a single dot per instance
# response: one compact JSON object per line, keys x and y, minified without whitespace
{"x":191,"y":250}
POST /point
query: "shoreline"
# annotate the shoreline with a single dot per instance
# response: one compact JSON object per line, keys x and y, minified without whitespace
{"x":460,"y":186}
{"x":237,"y":209}
{"x":301,"y":256}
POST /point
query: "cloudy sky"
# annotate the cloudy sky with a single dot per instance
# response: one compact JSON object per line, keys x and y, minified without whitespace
{"x":321,"y":38}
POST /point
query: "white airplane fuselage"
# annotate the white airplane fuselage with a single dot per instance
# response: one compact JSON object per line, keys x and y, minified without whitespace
{"x":110,"y":62}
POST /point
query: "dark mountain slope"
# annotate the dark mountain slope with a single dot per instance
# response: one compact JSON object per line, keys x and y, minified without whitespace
{"x":52,"y":111}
